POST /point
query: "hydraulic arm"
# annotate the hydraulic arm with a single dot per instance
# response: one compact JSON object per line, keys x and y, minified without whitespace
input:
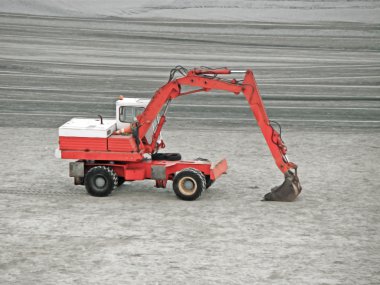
{"x":205,"y":79}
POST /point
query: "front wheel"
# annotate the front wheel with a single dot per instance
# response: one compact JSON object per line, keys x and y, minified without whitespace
{"x":189,"y":184}
{"x":209,"y":182}
{"x":100,"y":181}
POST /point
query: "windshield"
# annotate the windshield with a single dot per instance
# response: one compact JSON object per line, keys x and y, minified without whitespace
{"x":128,"y":114}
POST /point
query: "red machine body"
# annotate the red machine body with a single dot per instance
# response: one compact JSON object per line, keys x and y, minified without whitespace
{"x":126,"y":155}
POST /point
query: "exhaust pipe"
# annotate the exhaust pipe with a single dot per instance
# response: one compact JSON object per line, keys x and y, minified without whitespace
{"x":287,"y":191}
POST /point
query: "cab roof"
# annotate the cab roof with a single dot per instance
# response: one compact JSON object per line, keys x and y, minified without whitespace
{"x":134,"y":102}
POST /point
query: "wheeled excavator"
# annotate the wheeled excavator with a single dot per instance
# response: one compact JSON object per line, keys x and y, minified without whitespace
{"x":109,"y":152}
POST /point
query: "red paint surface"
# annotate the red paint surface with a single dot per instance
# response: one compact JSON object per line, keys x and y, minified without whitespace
{"x":82,"y":143}
{"x":122,"y":143}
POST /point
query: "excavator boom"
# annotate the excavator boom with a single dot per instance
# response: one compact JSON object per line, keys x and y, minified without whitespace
{"x":205,"y":79}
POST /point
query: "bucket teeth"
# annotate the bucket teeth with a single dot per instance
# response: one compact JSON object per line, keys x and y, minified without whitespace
{"x":287,"y":191}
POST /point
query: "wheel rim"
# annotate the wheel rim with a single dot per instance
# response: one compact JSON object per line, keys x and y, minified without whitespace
{"x":100,"y":182}
{"x":187,"y":186}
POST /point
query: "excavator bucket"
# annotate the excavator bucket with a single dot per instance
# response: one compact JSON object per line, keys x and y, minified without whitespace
{"x":287,"y":191}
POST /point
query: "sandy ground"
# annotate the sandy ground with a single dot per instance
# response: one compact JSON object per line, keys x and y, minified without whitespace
{"x":53,"y":232}
{"x":317,"y":64}
{"x":222,"y":10}
{"x":317,"y":75}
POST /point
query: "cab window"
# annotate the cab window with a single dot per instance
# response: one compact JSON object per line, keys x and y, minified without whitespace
{"x":138,"y":111}
{"x":128,"y":114}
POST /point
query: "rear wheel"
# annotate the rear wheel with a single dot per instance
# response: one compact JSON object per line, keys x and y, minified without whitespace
{"x":100,"y":181}
{"x":189,"y":184}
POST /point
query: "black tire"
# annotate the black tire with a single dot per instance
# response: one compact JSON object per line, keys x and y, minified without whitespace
{"x":120,"y":181}
{"x":100,"y":181}
{"x":209,"y":182}
{"x":189,"y":184}
{"x":202,"y":159}
{"x":166,"y":156}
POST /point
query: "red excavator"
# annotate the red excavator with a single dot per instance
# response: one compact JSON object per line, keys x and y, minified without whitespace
{"x":110,"y":152}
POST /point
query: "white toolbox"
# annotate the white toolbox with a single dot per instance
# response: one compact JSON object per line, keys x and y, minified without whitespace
{"x":89,"y":128}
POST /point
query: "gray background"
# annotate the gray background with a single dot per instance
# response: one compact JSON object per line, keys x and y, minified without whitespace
{"x":317,"y":66}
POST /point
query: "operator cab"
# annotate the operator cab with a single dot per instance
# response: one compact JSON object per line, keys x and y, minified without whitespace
{"x":127,"y":110}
